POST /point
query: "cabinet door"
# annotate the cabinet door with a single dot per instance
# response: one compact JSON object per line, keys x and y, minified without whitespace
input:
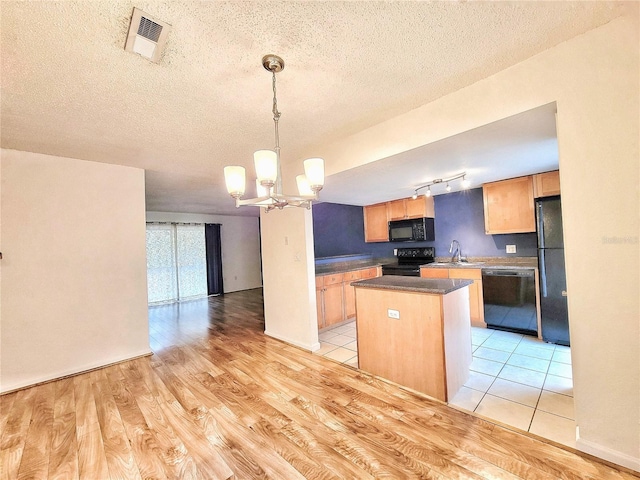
{"x":420,"y":207}
{"x":427,"y":272}
{"x":349,"y":300}
{"x":397,"y":209}
{"x":333,"y":312}
{"x":546,"y":184}
{"x":476,"y":302}
{"x":509,"y":206}
{"x":320,"y":311}
{"x":350,"y":292}
{"x":376,"y":227}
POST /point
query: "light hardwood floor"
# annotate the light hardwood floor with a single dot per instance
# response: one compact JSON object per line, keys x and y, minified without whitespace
{"x":219,"y":399}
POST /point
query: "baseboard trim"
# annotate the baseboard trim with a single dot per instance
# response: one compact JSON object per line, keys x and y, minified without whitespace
{"x":75,"y":373}
{"x":305,"y":346}
{"x":608,"y":454}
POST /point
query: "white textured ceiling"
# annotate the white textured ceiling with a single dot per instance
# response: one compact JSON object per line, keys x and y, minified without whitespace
{"x":70,"y":89}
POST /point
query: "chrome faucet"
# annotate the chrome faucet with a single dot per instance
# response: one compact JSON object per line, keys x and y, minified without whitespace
{"x":457,"y":251}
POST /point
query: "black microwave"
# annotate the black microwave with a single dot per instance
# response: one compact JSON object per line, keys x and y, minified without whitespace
{"x":412,"y":230}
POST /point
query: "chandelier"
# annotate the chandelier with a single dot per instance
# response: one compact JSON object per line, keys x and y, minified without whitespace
{"x":268,"y":171}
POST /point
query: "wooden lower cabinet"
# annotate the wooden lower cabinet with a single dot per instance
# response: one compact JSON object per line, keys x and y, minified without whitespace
{"x":336,"y":298}
{"x":333,"y":304}
{"x":476,"y":300}
{"x":329,"y":299}
{"x":428,"y":349}
{"x":319,"y":309}
{"x":349,"y":301}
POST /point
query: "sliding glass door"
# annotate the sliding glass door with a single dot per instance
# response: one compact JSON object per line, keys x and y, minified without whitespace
{"x":176,"y":262}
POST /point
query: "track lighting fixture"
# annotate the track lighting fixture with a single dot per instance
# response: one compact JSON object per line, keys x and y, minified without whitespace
{"x":465,"y":184}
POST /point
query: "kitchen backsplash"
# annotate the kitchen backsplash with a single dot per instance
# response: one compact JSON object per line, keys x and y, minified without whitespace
{"x":339,"y":230}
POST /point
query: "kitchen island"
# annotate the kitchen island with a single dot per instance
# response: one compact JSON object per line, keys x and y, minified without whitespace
{"x":415,"y":332}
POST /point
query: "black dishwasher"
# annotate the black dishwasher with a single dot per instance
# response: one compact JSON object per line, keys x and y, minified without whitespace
{"x":510,"y":300}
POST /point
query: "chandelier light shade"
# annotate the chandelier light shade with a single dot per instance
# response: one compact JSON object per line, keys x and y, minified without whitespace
{"x":314,"y":171}
{"x":235,"y":179}
{"x":268,"y":170}
{"x":266,"y":163}
{"x":304,"y":188}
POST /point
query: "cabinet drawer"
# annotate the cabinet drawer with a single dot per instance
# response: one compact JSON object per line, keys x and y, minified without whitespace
{"x":319,"y":281}
{"x":333,"y":279}
{"x":468,"y":273}
{"x":351,"y":276}
{"x":369,"y":273}
{"x":434,"y":272}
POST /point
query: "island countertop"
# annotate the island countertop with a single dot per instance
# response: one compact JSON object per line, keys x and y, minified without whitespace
{"x":439,"y":286}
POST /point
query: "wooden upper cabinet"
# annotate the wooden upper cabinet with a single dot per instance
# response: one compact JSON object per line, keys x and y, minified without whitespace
{"x":509,"y":206}
{"x":397,"y":210}
{"x":376,"y":227}
{"x":376,"y":217}
{"x":411,"y":208}
{"x":546,"y":184}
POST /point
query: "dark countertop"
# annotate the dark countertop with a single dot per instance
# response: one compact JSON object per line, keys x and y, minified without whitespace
{"x":439,"y":286}
{"x":331,"y":268}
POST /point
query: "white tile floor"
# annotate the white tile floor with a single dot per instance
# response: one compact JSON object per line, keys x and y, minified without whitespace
{"x":521,"y":381}
{"x":340,"y":344}
{"x":514,"y":379}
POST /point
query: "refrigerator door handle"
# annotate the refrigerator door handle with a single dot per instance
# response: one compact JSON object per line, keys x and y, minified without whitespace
{"x":540,"y":221}
{"x":543,"y":273}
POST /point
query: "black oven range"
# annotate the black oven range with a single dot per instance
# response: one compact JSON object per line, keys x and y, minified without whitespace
{"x":409,"y":261}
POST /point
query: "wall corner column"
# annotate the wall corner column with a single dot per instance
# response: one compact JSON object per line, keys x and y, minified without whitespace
{"x":288,"y":271}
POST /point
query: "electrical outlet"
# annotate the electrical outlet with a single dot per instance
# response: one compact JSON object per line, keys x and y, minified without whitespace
{"x":393,"y":313}
{"x":395,"y":251}
{"x":511,"y":249}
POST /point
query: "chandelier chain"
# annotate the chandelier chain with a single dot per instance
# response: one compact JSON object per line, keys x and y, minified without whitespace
{"x":276,"y":113}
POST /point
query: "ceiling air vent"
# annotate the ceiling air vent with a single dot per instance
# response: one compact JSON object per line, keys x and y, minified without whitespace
{"x":147,"y":35}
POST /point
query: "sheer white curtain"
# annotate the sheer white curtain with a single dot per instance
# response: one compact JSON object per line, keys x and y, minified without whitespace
{"x":192,"y":261}
{"x":176,"y":262}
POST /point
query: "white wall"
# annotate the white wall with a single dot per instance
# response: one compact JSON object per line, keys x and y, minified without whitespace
{"x":289,"y":277}
{"x":74,"y":286}
{"x":240,"y":237}
{"x":594,"y":78}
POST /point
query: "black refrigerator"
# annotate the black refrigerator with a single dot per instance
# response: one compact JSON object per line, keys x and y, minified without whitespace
{"x":553,"y":284}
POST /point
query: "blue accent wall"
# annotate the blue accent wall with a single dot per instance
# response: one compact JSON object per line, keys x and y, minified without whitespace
{"x":460,"y":216}
{"x":339,"y":230}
